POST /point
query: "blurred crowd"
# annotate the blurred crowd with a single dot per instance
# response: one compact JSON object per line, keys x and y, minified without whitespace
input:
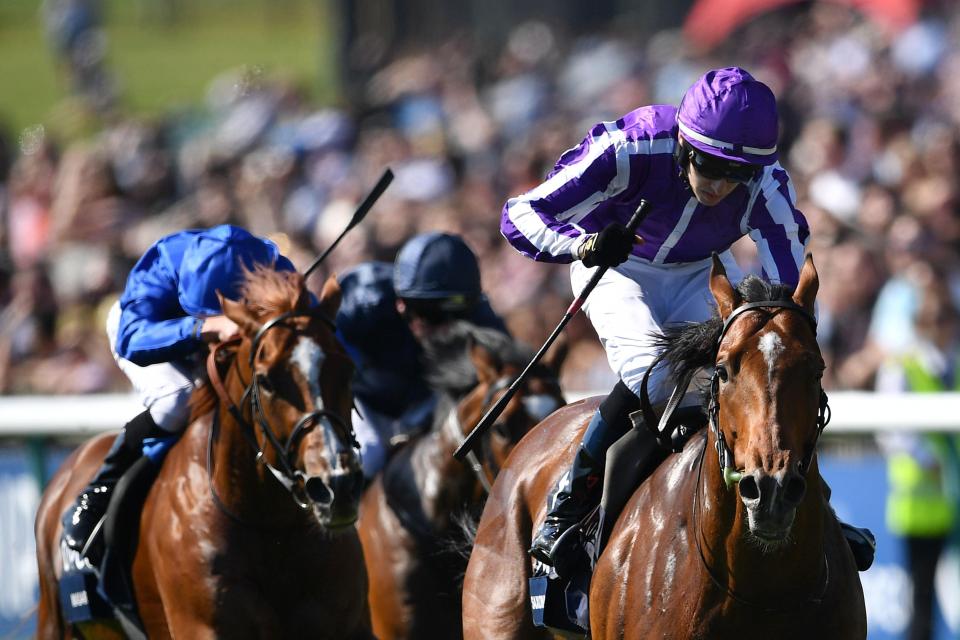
{"x":871,"y":137}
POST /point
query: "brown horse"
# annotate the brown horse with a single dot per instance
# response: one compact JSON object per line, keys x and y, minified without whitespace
{"x":223,"y":549}
{"x":410,"y":514}
{"x":691,"y":556}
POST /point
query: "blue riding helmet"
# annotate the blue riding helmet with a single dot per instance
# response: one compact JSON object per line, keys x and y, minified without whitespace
{"x":437,"y":267}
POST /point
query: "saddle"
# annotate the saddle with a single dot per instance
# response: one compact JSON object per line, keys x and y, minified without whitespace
{"x":97,"y":585}
{"x":559,"y":594}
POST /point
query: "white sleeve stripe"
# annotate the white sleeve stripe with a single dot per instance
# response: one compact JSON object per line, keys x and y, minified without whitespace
{"x":541,"y":236}
{"x":677,"y":232}
{"x":778,"y":206}
{"x":529,"y":223}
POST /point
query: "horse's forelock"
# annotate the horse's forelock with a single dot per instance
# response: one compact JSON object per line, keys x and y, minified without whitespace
{"x":266,"y":291}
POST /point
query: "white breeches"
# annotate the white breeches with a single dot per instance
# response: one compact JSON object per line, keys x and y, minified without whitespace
{"x":164,"y":388}
{"x":636,"y":299}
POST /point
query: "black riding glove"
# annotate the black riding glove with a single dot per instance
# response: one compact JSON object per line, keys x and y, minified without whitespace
{"x":608,"y":248}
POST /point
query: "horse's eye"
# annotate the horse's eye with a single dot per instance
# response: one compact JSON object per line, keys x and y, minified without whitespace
{"x":263,"y":381}
{"x":722,"y":372}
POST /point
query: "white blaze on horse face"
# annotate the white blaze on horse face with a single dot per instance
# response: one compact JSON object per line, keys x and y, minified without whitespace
{"x":771,"y":346}
{"x":308,"y":357}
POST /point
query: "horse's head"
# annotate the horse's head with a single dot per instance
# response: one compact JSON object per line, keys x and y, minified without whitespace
{"x":299,"y":391}
{"x":766,"y":405}
{"x":473,"y":367}
{"x":538,"y":397}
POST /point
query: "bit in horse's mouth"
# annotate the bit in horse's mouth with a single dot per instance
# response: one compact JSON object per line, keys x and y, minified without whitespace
{"x":333,"y":525}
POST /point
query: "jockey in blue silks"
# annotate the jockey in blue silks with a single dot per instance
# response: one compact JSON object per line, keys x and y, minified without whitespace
{"x":387,"y":313}
{"x":157,"y":330}
{"x":709,"y":170}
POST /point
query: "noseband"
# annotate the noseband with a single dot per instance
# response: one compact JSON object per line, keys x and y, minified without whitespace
{"x":292,"y":479}
{"x":730,"y":475}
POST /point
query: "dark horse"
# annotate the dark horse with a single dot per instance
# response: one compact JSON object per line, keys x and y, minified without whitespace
{"x":692,"y":556}
{"x":410,"y":515}
{"x":223,"y":549}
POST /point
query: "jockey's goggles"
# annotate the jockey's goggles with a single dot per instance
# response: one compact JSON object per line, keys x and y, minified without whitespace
{"x":441,"y":311}
{"x":714,"y":168}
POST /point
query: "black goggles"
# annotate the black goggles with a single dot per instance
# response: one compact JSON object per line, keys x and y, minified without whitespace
{"x":714,"y":168}
{"x":437,"y":312}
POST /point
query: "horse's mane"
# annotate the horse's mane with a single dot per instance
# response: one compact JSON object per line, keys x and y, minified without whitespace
{"x":264,"y":291}
{"x":448,"y":368}
{"x":446,"y":357}
{"x":691,"y":346}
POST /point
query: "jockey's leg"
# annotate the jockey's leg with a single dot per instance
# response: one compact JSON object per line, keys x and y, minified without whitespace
{"x":165,"y":389}
{"x":579,"y":487}
{"x":88,"y":509}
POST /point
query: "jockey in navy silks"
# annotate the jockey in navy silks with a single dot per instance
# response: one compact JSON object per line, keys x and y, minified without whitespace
{"x":157,"y":330}
{"x":388,"y":312}
{"x":709,"y":170}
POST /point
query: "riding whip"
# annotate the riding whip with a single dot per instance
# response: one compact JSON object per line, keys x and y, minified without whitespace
{"x":494,"y":412}
{"x":358,"y":215}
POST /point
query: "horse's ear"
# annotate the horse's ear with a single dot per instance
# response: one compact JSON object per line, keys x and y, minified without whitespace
{"x":330,"y":297}
{"x":805,"y":294}
{"x":238,"y":312}
{"x":483,"y":361}
{"x":723,"y":292}
{"x":557,"y":353}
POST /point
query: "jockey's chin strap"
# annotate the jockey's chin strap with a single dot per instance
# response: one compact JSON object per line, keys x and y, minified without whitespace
{"x":725,"y":456}
{"x":287,"y":475}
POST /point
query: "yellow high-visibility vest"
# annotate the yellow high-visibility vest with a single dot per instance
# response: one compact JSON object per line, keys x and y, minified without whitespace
{"x":922,"y":501}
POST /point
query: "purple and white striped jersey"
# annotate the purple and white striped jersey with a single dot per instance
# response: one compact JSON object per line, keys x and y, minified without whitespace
{"x":603,"y":179}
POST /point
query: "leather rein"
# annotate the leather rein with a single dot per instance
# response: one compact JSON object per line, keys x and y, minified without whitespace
{"x":285,"y":473}
{"x":730,"y":475}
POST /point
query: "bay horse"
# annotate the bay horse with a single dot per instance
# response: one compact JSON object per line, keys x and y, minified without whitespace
{"x":731,"y":537}
{"x":412,"y":513}
{"x":223,"y":550}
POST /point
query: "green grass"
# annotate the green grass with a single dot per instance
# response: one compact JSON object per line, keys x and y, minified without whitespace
{"x":164,"y":64}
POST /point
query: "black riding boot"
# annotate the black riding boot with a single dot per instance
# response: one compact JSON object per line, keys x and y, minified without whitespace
{"x":577,"y":491}
{"x":81,"y":519}
{"x":579,"y":488}
{"x":862,"y":543}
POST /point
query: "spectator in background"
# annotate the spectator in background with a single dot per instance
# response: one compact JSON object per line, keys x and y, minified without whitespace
{"x":924,"y":469}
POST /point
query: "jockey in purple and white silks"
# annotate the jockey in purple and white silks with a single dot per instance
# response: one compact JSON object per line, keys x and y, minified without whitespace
{"x":709,"y":170}
{"x":167,"y":312}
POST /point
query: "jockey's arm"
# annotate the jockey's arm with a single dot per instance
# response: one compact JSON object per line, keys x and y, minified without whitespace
{"x":779,"y":229}
{"x":544,"y":223}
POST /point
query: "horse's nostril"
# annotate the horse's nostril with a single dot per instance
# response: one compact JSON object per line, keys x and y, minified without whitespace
{"x":794,"y":489}
{"x":318,"y":491}
{"x":749,"y":489}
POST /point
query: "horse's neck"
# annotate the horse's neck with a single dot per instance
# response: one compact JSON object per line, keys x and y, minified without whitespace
{"x":242,"y":484}
{"x":446,"y":484}
{"x":720,"y":521}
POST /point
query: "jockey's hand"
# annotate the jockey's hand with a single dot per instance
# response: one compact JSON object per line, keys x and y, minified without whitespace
{"x":609,"y":247}
{"x":218,"y":329}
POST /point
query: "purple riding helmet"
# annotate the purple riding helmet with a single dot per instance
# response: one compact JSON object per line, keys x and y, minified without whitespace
{"x":730,"y":115}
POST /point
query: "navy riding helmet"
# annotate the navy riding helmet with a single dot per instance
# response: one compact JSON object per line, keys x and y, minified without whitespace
{"x":438,"y":269}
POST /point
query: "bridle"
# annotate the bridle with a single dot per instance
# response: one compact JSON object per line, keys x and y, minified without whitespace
{"x":724,"y":455}
{"x":292,"y":479}
{"x":454,"y":428}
